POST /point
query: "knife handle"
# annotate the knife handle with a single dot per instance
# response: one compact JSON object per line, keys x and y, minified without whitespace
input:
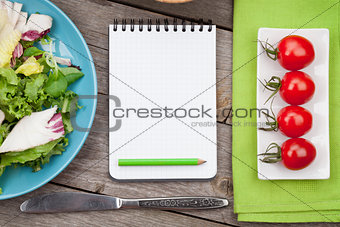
{"x":175,"y":203}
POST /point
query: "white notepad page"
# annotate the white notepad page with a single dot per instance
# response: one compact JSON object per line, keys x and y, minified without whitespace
{"x":149,"y":71}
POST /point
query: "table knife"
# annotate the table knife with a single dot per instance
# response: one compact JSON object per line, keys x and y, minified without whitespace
{"x":75,"y":201}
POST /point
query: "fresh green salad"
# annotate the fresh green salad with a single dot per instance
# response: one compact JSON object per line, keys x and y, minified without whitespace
{"x":35,"y":103}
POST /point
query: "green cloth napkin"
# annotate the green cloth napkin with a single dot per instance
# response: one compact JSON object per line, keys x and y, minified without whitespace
{"x":281,"y":200}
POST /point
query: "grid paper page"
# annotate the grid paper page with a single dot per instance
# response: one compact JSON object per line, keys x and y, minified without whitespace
{"x":152,"y":71}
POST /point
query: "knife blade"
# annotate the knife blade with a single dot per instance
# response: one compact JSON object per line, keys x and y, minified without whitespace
{"x":75,"y":201}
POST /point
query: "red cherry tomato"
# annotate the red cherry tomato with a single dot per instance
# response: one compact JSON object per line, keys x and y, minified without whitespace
{"x":294,"y":121}
{"x":297,"y":88}
{"x":295,"y":52}
{"x":297,"y":153}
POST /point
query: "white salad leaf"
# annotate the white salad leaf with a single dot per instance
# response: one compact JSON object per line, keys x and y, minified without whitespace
{"x":16,"y":13}
{"x":2,"y":4}
{"x":8,"y":5}
{"x":9,"y":39}
{"x":13,"y":10}
{"x":39,"y":23}
{"x":31,"y":131}
{"x":21,"y":23}
{"x":63,"y":61}
{"x":37,"y":26}
{"x":3,"y":18}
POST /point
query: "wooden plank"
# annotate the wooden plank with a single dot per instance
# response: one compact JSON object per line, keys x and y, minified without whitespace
{"x":10,"y":215}
{"x":219,"y":11}
{"x":96,"y":179}
{"x":132,"y":217}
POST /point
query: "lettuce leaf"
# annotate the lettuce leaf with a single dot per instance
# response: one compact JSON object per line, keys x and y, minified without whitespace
{"x":33,"y":51}
{"x":29,"y":67}
{"x":26,"y":44}
{"x":6,"y":91}
{"x":19,"y":98}
{"x":4,"y":131}
{"x":10,"y":76}
{"x":21,"y":157}
{"x":36,"y":154}
{"x":58,"y":149}
{"x":56,"y":84}
{"x":34,"y":86}
{"x":71,"y":74}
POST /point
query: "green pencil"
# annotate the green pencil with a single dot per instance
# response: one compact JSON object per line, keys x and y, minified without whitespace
{"x":160,"y":162}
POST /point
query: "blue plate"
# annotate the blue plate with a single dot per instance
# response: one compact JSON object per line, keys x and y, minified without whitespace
{"x":69,"y":43}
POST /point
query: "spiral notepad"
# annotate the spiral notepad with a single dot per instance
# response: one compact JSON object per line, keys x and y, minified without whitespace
{"x":162,"y":97}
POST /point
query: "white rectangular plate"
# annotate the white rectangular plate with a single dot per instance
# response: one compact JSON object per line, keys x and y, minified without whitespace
{"x":318,"y":106}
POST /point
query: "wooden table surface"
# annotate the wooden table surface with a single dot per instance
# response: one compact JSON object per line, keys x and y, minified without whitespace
{"x":93,"y":17}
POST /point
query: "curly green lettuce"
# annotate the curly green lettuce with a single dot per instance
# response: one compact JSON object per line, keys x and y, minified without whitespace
{"x":22,"y":95}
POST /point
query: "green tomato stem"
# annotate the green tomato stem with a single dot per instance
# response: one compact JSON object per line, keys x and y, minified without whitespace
{"x":272,"y":157}
{"x":274,"y":85}
{"x":271,"y":51}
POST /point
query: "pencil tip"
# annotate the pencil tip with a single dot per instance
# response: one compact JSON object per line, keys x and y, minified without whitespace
{"x":201,"y":161}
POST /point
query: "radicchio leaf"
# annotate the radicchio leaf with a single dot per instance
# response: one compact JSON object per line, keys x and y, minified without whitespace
{"x":17,"y":53}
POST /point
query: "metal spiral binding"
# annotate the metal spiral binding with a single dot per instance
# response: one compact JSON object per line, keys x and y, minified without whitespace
{"x":149,"y":25}
{"x":175,"y":24}
{"x":183,"y":26}
{"x":140,"y":25}
{"x":124,"y":25}
{"x":158,"y":25}
{"x":166,"y":25}
{"x":201,"y":23}
{"x":115,"y":25}
{"x":132,"y":27}
{"x":210,"y":25}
